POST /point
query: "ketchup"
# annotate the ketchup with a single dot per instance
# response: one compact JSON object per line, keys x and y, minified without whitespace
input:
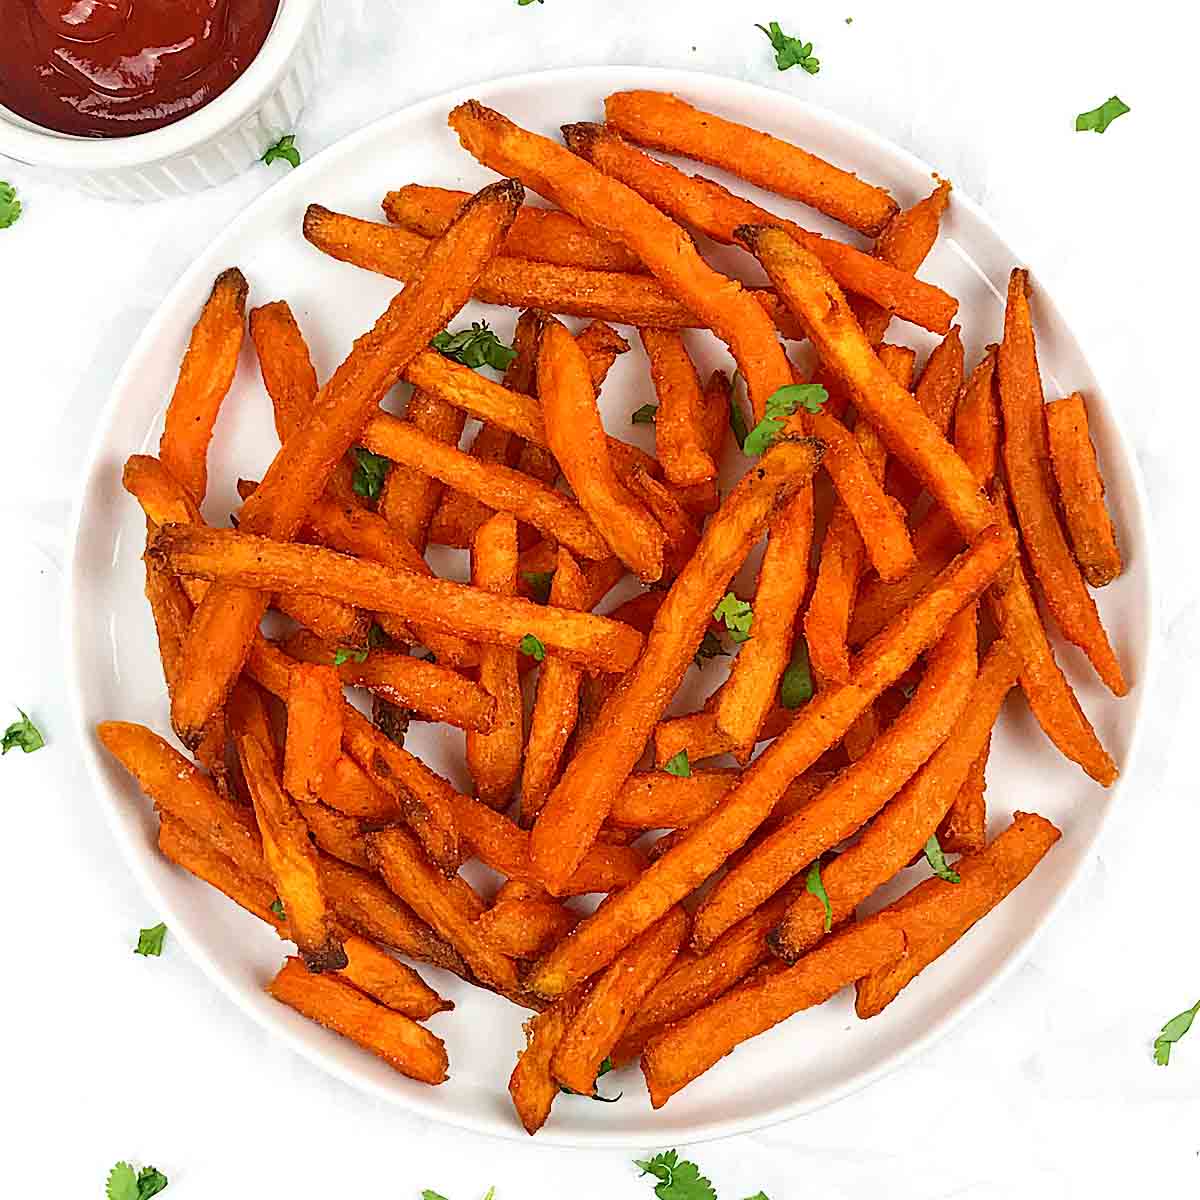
{"x":108,"y":68}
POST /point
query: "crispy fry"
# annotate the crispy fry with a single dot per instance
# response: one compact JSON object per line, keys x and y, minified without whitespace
{"x":350,"y":790}
{"x":679,"y":437}
{"x":816,"y":727}
{"x":857,"y":794}
{"x":532,"y":1088}
{"x":615,"y":211}
{"x":440,"y":903}
{"x":494,"y":758}
{"x":1027,"y":467}
{"x":935,"y":914}
{"x":579,"y":803}
{"x":287,"y":370}
{"x":964,"y":828}
{"x":228,"y":616}
{"x":699,"y":735}
{"x":540,"y":234}
{"x":715,"y":211}
{"x":682,"y":536}
{"x":613,"y":999}
{"x":204,"y":378}
{"x":656,"y":800}
{"x":684,"y":1051}
{"x":403,"y":1044}
{"x":314,"y":729}
{"x":429,"y":689}
{"x":977,"y":420}
{"x":556,"y":707}
{"x":525,"y":928}
{"x":336,"y":832}
{"x":255,"y":562}
{"x":665,"y":122}
{"x":902,"y":829}
{"x":1081,"y":490}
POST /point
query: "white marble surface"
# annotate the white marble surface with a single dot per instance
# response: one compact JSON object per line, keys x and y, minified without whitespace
{"x":1049,"y":1090}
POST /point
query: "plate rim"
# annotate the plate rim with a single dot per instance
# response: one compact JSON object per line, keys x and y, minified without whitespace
{"x":669,"y":79}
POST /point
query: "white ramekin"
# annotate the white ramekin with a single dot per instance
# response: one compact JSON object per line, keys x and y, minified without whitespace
{"x":208,"y":147}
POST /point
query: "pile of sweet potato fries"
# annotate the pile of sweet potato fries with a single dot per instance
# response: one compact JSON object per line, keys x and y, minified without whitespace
{"x":896,"y":606}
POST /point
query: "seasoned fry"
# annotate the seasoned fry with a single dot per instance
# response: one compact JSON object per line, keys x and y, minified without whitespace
{"x":255,"y":562}
{"x":1081,"y":490}
{"x":715,"y":211}
{"x":580,"y":802}
{"x":314,"y":729}
{"x":494,"y":758}
{"x":525,"y":928}
{"x":403,"y":1044}
{"x":679,"y":437}
{"x":901,"y":830}
{"x":612,"y":1000}
{"x":204,"y":378}
{"x":699,"y":735}
{"x":857,"y":794}
{"x":556,"y":708}
{"x":656,"y":800}
{"x":287,"y":370}
{"x":1028,"y":471}
{"x":665,"y":122}
{"x":964,"y":828}
{"x":684,"y":1051}
{"x":349,"y":790}
{"x":541,"y":234}
{"x":816,"y":727}
{"x":609,"y":208}
{"x":336,"y":832}
{"x":425,"y":688}
{"x":532,"y":1088}
{"x":935,"y":914}
{"x":228,"y":616}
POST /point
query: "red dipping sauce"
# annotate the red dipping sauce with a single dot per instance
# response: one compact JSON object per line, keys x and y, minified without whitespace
{"x":109,"y":68}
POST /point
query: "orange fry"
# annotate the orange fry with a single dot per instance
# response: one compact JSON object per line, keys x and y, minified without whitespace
{"x":525,"y":928}
{"x":532,"y":1088}
{"x":679,"y":438}
{"x":964,"y":828}
{"x":314,"y":729}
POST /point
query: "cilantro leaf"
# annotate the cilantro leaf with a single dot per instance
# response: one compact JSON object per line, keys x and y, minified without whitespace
{"x":475,"y":347}
{"x":23,"y":735}
{"x":737,"y":615}
{"x":525,"y":3}
{"x":815,"y":887}
{"x":10,"y":206}
{"x":150,"y":1182}
{"x":1099,"y":119}
{"x":344,"y":655}
{"x":539,"y":584}
{"x":710,"y":647}
{"x":937,"y":860}
{"x":377,"y":637}
{"x":150,"y":941}
{"x":677,"y":1178}
{"x":645,"y":415}
{"x":427,"y":1194}
{"x":790,"y":51}
{"x":763,"y":1195}
{"x":1172,"y":1031}
{"x":369,"y":473}
{"x":605,"y":1067}
{"x":284,"y":149}
{"x":531,"y":646}
{"x":781,"y":405}
{"x":678,"y":764}
{"x":737,"y":418}
{"x":277,"y":909}
{"x":123,"y":1184}
{"x":491,"y":1192}
{"x":796,"y":686}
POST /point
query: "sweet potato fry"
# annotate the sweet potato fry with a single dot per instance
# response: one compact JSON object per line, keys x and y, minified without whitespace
{"x":716,"y":211}
{"x":665,"y":122}
{"x":394,"y":984}
{"x":494,"y":758}
{"x":540,"y":234}
{"x":434,"y":692}
{"x":532,"y":1088}
{"x":699,"y":734}
{"x":228,"y":616}
{"x":350,"y":790}
{"x":439,"y":902}
{"x":1081,"y":490}
{"x":611,"y":209}
{"x":817,"y":726}
{"x":577,"y":807}
{"x":1027,"y":467}
{"x":285,"y":364}
{"x":336,"y":832}
{"x":578,"y":442}
{"x":255,"y":562}
{"x":616,"y":995}
{"x":827,"y":618}
{"x":678,"y":434}
{"x":314,"y":729}
{"x":906,"y":431}
{"x":556,"y":707}
{"x":684,"y":1051}
{"x":204,"y":378}
{"x":857,"y":794}
{"x":977,"y":420}
{"x":901,"y":830}
{"x":403,"y":1044}
{"x":935,"y":914}
{"x":656,"y":800}
{"x":964,"y":828}
{"x":525,"y":928}
{"x":681,"y":535}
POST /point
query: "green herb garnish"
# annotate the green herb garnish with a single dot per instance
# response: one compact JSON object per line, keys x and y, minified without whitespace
{"x":1172,"y":1031}
{"x":475,"y":347}
{"x":790,"y":51}
{"x":369,"y":473}
{"x":124,"y":1184}
{"x":21,"y":735}
{"x":796,"y":686}
{"x":10,"y":206}
{"x":1099,"y":119}
{"x":531,"y":646}
{"x":284,"y":149}
{"x":150,"y":941}
{"x":937,"y":861}
{"x":539,"y":584}
{"x":644,"y":415}
{"x":679,"y":765}
{"x":710,"y":647}
{"x":737,"y":615}
{"x":814,"y":885}
{"x":677,"y":1178}
{"x":781,"y":405}
{"x":344,"y":655}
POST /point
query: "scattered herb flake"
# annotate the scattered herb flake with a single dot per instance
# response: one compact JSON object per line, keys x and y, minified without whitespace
{"x":937,"y":861}
{"x":1099,"y":119}
{"x":815,"y":887}
{"x":531,"y":646}
{"x":710,"y":647}
{"x":345,"y":655}
{"x":539,"y":584}
{"x":475,"y":347}
{"x":605,"y":1067}
{"x":737,"y":615}
{"x":781,"y":405}
{"x":277,"y":909}
{"x":796,"y":686}
{"x":677,"y":1178}
{"x":678,"y":764}
{"x":21,"y":735}
{"x":737,"y":418}
{"x":369,"y":473}
{"x":284,"y":149}
{"x":644,"y":415}
{"x":124,"y":1184}
{"x":790,"y":51}
{"x":10,"y":206}
{"x":1172,"y":1031}
{"x":150,"y":941}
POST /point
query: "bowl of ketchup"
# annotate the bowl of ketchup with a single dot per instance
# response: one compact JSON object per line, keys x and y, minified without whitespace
{"x":139,"y":99}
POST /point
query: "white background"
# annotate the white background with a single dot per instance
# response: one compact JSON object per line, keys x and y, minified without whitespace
{"x":1050,"y":1089}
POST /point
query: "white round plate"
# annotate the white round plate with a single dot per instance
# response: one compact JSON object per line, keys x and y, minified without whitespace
{"x":113,"y":663}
